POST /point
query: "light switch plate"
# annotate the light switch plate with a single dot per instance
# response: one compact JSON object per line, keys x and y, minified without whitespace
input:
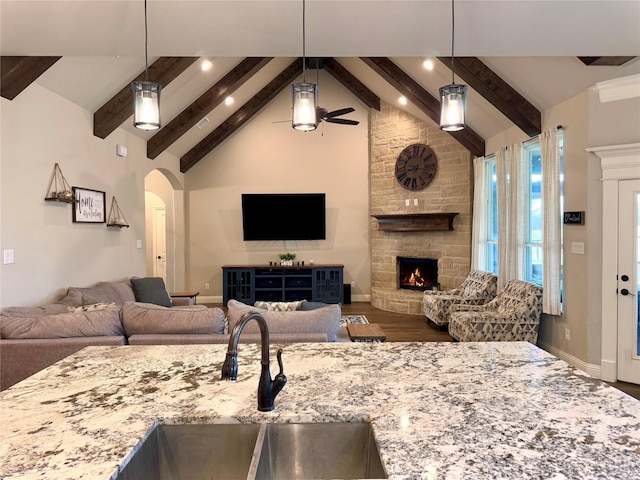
{"x":138,"y":243}
{"x":577,"y":247}
{"x":7,"y":256}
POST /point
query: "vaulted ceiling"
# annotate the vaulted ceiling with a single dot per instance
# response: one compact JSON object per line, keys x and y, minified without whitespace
{"x":89,"y":52}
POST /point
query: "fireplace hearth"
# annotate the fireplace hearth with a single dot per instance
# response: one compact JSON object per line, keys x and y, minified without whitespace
{"x":417,"y":273}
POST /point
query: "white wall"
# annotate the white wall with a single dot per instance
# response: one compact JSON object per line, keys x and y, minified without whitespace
{"x":271,"y":157}
{"x":40,"y":128}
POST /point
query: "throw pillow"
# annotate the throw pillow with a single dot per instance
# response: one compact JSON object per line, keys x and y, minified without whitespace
{"x":91,"y":307}
{"x":151,"y":290}
{"x":147,"y":318}
{"x":279,"y":306}
{"x":321,"y":320}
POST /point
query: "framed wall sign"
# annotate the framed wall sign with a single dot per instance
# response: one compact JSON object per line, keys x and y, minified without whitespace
{"x":574,"y":218}
{"x":89,"y":206}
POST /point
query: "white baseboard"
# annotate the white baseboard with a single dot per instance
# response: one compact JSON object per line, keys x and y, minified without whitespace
{"x":590,"y":368}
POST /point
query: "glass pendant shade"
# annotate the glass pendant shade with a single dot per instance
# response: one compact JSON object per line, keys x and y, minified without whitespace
{"x":453,"y":99}
{"x":305,"y":97}
{"x":146,"y":105}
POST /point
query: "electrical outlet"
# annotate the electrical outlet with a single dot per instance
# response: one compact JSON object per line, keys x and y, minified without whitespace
{"x":406,"y":202}
{"x":206,"y":286}
{"x":353,"y":284}
{"x":567,"y":333}
{"x":415,"y":201}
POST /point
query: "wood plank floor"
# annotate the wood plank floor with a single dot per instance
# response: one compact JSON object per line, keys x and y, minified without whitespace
{"x":400,"y":327}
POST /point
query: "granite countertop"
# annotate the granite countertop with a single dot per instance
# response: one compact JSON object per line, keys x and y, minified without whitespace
{"x":438,"y":410}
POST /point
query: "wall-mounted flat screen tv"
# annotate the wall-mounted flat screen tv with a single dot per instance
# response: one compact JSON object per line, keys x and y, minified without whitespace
{"x":283,"y":216}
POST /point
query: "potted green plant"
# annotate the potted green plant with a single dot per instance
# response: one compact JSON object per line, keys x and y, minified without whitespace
{"x":287,"y":258}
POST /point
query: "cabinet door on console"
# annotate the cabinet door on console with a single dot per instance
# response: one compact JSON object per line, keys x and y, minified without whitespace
{"x":327,"y":285}
{"x":238,"y":284}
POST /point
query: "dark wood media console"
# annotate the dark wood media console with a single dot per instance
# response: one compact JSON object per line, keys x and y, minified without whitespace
{"x":315,"y":283}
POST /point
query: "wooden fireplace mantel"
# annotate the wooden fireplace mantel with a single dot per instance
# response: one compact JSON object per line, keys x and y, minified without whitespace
{"x":416,"y":222}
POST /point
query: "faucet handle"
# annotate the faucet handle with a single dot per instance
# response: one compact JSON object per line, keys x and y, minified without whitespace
{"x":280,"y":380}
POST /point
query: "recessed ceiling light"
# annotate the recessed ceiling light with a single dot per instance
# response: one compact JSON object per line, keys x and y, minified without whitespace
{"x":402,"y":100}
{"x":428,"y":64}
{"x":228,"y":101}
{"x":206,"y":65}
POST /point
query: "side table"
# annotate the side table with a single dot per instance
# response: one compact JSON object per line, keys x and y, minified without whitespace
{"x":192,"y":295}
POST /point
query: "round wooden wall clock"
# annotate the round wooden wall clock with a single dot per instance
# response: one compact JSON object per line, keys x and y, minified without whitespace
{"x":416,"y":166}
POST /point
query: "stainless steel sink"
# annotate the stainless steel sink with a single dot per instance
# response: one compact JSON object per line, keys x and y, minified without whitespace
{"x":257,"y":451}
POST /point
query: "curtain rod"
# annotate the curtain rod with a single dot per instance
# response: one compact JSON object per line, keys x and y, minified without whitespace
{"x":558,"y":127}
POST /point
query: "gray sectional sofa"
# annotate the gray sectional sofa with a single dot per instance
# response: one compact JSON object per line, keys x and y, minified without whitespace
{"x":110,"y":313}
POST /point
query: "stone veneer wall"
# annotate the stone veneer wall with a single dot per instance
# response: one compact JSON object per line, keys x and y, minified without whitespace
{"x":450,"y":191}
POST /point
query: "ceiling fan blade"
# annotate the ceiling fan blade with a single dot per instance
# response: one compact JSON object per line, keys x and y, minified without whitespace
{"x":341,"y":121}
{"x":337,"y":113}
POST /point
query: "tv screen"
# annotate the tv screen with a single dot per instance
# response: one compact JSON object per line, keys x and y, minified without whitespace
{"x":283,"y":216}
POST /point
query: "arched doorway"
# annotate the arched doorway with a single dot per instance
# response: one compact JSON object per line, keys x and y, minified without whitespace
{"x":164,"y":227}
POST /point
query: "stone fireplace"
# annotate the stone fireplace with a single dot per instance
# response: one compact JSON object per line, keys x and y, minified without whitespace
{"x":450,"y":191}
{"x":417,"y":273}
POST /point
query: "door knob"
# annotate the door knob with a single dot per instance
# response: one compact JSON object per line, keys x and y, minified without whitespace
{"x":159,"y":257}
{"x":624,"y":278}
{"x":626,"y":292}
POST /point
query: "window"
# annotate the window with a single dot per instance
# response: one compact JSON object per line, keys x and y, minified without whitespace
{"x":491,"y":234}
{"x":531,"y":216}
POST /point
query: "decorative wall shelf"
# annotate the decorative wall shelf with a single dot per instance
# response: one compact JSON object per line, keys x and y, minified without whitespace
{"x":59,"y":189}
{"x":116,"y":217}
{"x":416,"y":222}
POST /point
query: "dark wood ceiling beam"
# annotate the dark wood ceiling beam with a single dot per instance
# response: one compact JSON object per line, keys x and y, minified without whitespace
{"x":241,"y":116}
{"x":605,"y":61}
{"x":204,"y":104}
{"x":422,"y":99}
{"x":351,"y":83}
{"x":498,"y":93}
{"x":17,"y":73}
{"x":119,"y":108}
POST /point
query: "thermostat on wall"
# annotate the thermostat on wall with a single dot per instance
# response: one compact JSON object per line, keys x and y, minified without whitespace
{"x":121,"y":150}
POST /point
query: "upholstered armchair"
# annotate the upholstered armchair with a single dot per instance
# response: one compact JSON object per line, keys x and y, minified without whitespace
{"x":514,"y":315}
{"x":477,"y":289}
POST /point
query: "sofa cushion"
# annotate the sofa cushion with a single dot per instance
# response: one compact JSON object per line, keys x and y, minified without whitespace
{"x":279,"y":306}
{"x":102,"y":292}
{"x":321,"y":320}
{"x":148,"y":318}
{"x":63,"y":325}
{"x":151,"y":290}
{"x":312,"y":305}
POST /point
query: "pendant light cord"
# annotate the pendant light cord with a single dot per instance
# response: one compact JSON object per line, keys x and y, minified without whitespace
{"x":146,"y":61}
{"x":453,"y":36}
{"x":304,"y":74}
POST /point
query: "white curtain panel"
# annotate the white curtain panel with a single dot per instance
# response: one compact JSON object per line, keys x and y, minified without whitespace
{"x":479,"y":231}
{"x":551,"y":222}
{"x":516,"y":234}
{"x":502,"y":184}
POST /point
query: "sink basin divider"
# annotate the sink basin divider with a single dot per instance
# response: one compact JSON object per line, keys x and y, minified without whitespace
{"x":257,"y":452}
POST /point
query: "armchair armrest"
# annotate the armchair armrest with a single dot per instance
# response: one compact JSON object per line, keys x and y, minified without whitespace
{"x":454,"y":292}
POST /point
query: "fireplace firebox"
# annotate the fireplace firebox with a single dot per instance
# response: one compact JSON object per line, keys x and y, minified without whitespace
{"x":417,"y":273}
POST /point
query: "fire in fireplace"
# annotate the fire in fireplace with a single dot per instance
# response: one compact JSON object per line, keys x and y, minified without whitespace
{"x":417,"y":273}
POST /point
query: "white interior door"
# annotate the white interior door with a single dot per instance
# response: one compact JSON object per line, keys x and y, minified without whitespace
{"x":629,"y":281}
{"x":160,"y":243}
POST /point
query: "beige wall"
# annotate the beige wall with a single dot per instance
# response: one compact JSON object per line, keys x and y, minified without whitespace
{"x":40,"y":128}
{"x":271,"y":157}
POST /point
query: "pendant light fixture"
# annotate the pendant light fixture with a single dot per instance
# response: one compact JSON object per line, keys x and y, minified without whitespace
{"x":146,"y":94}
{"x":453,"y":98}
{"x":305,"y":95}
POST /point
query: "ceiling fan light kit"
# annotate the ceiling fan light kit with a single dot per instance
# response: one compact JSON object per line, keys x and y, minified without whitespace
{"x":453,"y":98}
{"x":146,"y":94}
